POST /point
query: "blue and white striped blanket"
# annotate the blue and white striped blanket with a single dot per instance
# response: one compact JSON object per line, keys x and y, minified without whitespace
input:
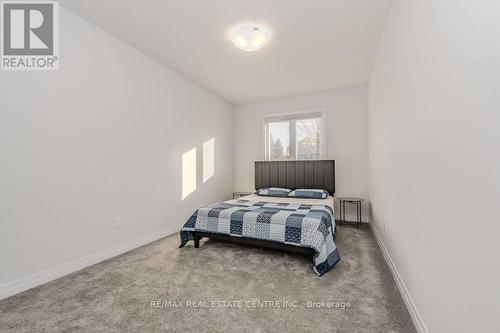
{"x":311,"y":226}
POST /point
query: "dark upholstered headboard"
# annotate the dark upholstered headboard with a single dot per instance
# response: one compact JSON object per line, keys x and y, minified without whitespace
{"x":296,"y":174}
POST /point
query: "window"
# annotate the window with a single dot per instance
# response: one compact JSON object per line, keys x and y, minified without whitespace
{"x":295,"y":137}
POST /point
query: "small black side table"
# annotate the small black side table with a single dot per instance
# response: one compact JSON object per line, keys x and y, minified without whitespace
{"x":355,"y":201}
{"x":240,"y":194}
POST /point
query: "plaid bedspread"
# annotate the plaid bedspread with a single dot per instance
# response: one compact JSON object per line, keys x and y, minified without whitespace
{"x":311,"y":226}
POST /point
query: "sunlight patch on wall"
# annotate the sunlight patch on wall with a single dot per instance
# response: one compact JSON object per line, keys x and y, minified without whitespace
{"x":188,"y":172}
{"x":208,"y":159}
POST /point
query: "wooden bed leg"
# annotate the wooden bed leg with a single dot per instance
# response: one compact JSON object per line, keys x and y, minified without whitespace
{"x":196,"y":242}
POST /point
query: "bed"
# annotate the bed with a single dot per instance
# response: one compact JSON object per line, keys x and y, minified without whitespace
{"x":299,"y":225}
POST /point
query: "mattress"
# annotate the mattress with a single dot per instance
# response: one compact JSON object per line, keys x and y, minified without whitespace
{"x":327,"y":201}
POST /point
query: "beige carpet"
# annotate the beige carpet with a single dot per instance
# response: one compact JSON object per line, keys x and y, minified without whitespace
{"x":116,"y":295}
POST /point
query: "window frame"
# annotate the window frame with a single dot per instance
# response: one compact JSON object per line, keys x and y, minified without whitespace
{"x":292,"y":117}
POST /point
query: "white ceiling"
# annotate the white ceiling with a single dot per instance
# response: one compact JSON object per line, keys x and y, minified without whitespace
{"x":316,"y":45}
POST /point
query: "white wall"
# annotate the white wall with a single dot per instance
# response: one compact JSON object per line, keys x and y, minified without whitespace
{"x":347,"y":137}
{"x":434,"y":157}
{"x":100,"y":139}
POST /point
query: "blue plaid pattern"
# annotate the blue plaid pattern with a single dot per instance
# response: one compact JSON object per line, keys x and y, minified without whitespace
{"x":273,"y":192}
{"x":311,"y":226}
{"x":309,"y":194}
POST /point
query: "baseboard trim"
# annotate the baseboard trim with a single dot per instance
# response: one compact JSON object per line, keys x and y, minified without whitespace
{"x":53,"y":273}
{"x":347,"y":222}
{"x":410,"y":305}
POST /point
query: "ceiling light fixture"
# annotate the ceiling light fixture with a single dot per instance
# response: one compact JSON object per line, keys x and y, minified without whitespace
{"x":250,"y":37}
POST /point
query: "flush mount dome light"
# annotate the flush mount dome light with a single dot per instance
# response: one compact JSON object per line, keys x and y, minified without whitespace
{"x":250,"y":37}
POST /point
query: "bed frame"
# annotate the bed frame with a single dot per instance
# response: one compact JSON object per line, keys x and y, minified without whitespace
{"x":287,"y":174}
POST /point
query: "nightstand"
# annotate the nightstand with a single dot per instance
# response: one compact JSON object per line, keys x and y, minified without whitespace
{"x":354,"y":201}
{"x":240,"y":194}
